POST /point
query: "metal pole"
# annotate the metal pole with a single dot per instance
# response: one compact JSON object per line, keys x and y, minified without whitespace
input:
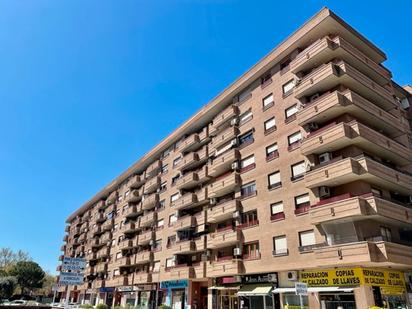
{"x":66,"y":301}
{"x":301,"y":301}
{"x":54,"y":296}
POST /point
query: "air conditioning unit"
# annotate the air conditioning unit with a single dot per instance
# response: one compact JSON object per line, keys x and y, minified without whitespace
{"x":213,"y":201}
{"x":297,"y":80}
{"x":234,"y":121}
{"x":237,"y":251}
{"x":312,"y":126}
{"x":324,"y":157}
{"x":324,"y":191}
{"x":235,"y":165}
{"x":236,"y":214}
{"x":292,"y":275}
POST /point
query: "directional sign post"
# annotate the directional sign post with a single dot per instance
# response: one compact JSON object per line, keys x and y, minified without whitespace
{"x":301,"y":290}
{"x":72,"y":273}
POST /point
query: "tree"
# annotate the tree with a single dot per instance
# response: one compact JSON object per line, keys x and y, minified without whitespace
{"x":29,"y":275}
{"x":8,"y":258}
{"x":7,"y":286}
{"x":48,"y":282}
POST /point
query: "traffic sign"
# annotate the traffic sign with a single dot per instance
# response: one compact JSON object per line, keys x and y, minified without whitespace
{"x":301,"y":288}
{"x":73,"y":264}
{"x":66,"y":278}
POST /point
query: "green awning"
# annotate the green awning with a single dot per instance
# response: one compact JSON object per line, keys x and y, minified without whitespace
{"x":255,"y":290}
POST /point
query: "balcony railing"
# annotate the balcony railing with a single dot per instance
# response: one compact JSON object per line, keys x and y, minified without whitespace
{"x":223,"y":211}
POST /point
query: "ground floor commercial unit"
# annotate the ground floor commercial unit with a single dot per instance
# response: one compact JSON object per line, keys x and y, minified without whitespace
{"x":332,"y":288}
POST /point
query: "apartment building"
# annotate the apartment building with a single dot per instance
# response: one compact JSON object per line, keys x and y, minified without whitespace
{"x":301,"y":170}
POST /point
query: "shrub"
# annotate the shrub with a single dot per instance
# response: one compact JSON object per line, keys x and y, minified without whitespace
{"x":86,"y":306}
{"x":101,"y":306}
{"x":164,"y":307}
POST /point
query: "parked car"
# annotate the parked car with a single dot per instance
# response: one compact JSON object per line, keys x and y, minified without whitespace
{"x":18,"y":302}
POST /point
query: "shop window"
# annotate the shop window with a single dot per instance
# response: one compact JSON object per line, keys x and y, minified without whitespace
{"x":298,"y":170}
{"x":251,"y":251}
{"x":272,"y":152}
{"x":280,"y":246}
{"x":248,"y":189}
{"x":274,"y":180}
{"x":276,"y":211}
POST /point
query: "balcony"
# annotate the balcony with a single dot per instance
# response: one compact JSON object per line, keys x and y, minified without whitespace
{"x":101,"y":268}
{"x":142,"y":277}
{"x":97,"y":243}
{"x":183,"y":247}
{"x":352,"y":169}
{"x":363,"y":206}
{"x":222,"y":211}
{"x":131,"y":227}
{"x":101,"y":205}
{"x":179,"y":272}
{"x":100,"y":217}
{"x":103,"y":253}
{"x":380,"y":253}
{"x":224,"y":117}
{"x":152,"y":185}
{"x":194,"y":159}
{"x":117,"y":281}
{"x":330,"y":75}
{"x":225,"y":238}
{"x":341,"y":135}
{"x":98,"y":283}
{"x":186,"y":201}
{"x":223,"y":163}
{"x":184,"y":223}
{"x":187,"y":181}
{"x":153,"y":168}
{"x":128,"y":244}
{"x":133,"y":211}
{"x":148,"y":219}
{"x":327,"y":49}
{"x":225,"y":136}
{"x":124,"y":262}
{"x":112,"y":198}
{"x":150,"y":201}
{"x":145,"y":237}
{"x":143,"y":257}
{"x":224,"y":185}
{"x":333,"y":104}
{"x":230,"y":267}
{"x":134,"y":196}
{"x":107,"y":226}
{"x":135,"y":181}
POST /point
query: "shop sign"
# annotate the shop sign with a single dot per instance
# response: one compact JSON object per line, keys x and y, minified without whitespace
{"x":175,"y":284}
{"x":125,"y":289}
{"x":106,"y":290}
{"x":228,"y":280}
{"x":353,"y":277}
{"x":301,"y":288}
{"x":264,"y":278}
{"x":89,"y":291}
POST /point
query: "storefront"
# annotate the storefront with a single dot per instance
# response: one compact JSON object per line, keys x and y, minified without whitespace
{"x":106,"y":295}
{"x":244,"y":292}
{"x":175,"y":293}
{"x":349,"y":288}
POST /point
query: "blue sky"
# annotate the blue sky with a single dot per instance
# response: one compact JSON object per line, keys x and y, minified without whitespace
{"x":87,"y":87}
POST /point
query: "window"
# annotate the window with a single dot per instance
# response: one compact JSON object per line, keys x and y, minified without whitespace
{"x":249,"y":219}
{"x":171,"y":240}
{"x":306,"y":240}
{"x":166,"y":153}
{"x":116,"y":272}
{"x":274,"y":180}
{"x":175,"y":178}
{"x":174,"y":197}
{"x":268,"y":101}
{"x":288,"y":87}
{"x":376,"y":192}
{"x":246,"y":138}
{"x":298,"y":170}
{"x":284,"y":66}
{"x":177,"y":160}
{"x":161,"y":205}
{"x":157,"y":245}
{"x":272,"y":152}
{"x":170,"y":263}
{"x":276,"y":211}
{"x":386,"y":233}
{"x":244,"y":95}
{"x":118,"y":255}
{"x":294,"y":140}
{"x":301,"y":203}
{"x":160,"y":223}
{"x":248,"y":189}
{"x":247,"y":164}
{"x":245,"y":116}
{"x":270,"y":125}
{"x":280,"y":245}
{"x":172,"y":219}
{"x":265,"y":80}
{"x":156,"y":267}
{"x":163,"y":186}
{"x":290,"y":113}
{"x":251,"y":250}
{"x":164,"y":168}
